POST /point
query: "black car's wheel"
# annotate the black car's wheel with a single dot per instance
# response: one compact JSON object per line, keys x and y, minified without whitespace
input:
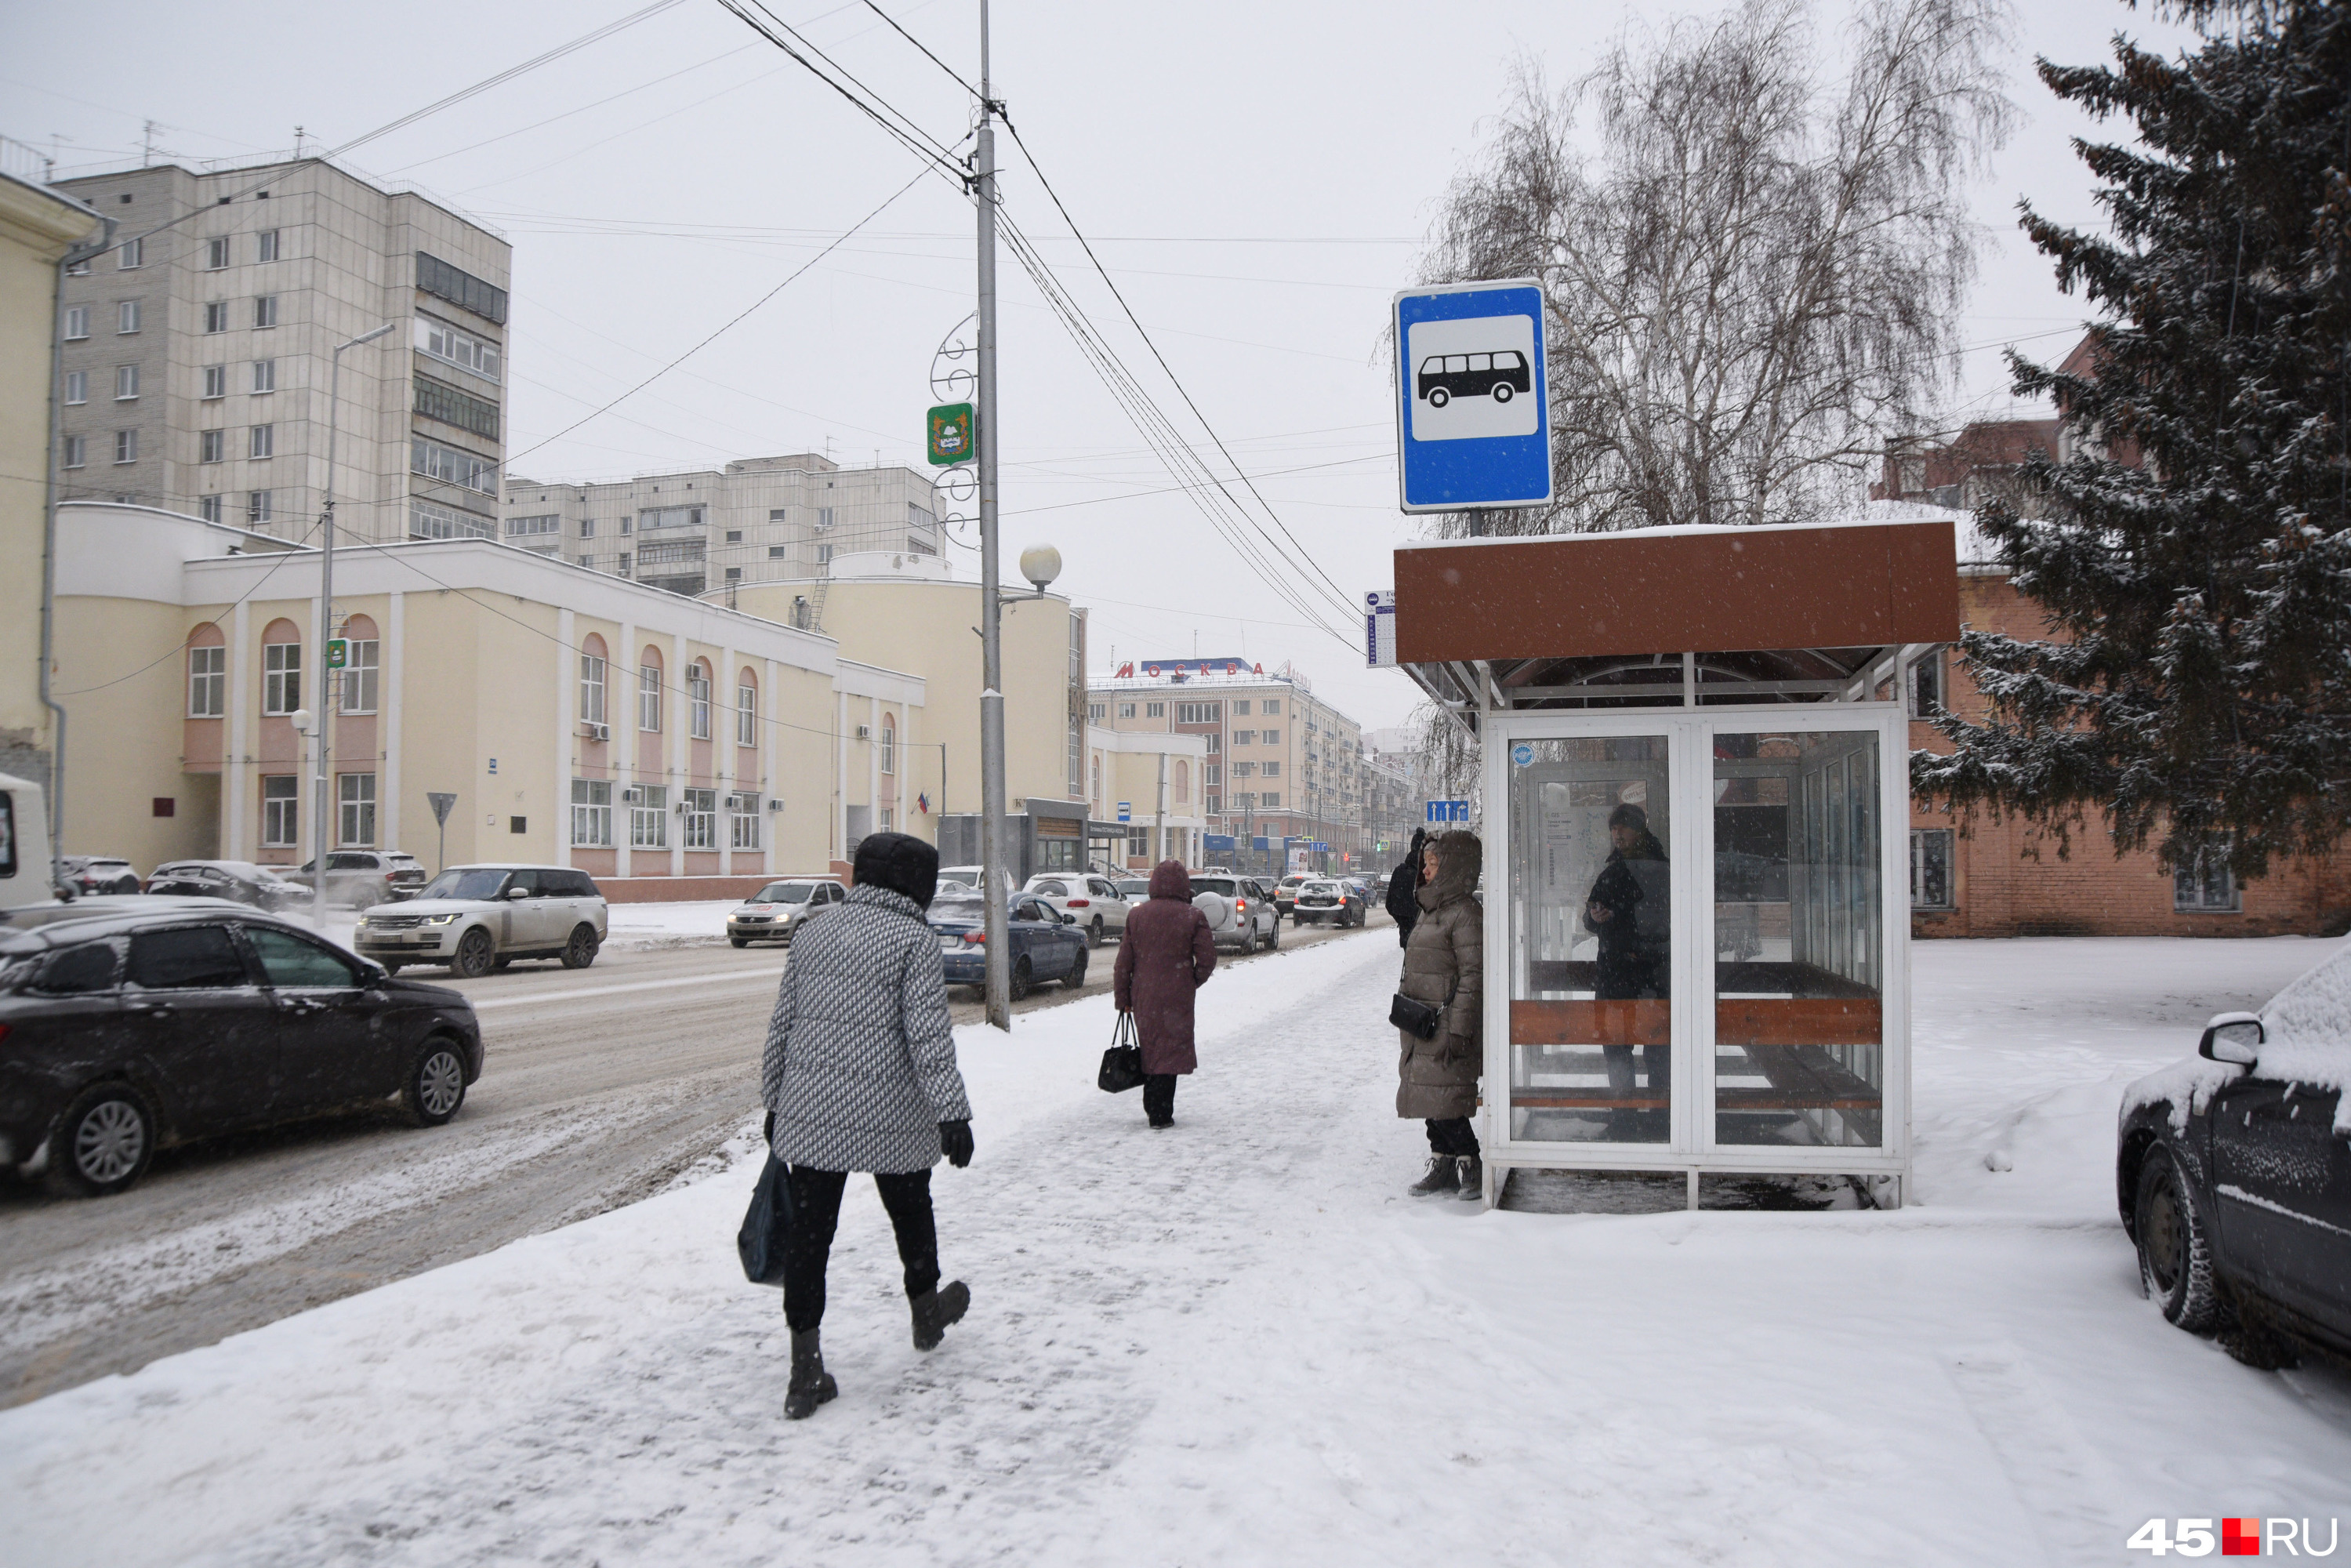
{"x":580,"y":950}
{"x":475,"y":953}
{"x":1020,"y":980}
{"x":1439,"y":397}
{"x":436,"y":1085}
{"x":2174,"y":1256}
{"x":735,"y":941}
{"x":1095,"y":933}
{"x":1502,"y":391}
{"x":104,"y":1140}
{"x":1274,"y":939}
{"x":125,"y":884}
{"x":1076,"y":978}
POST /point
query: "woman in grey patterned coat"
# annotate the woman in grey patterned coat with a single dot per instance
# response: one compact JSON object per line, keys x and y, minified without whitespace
{"x":860,"y":1075}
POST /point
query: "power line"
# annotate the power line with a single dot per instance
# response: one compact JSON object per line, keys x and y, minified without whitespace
{"x":912,"y":136}
{"x":920,"y":45}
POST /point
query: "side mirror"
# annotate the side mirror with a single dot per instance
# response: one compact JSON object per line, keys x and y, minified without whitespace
{"x":517,"y":893}
{"x":1069,"y":920}
{"x":2233,"y":1038}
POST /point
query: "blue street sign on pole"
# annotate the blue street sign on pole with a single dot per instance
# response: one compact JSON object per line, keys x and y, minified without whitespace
{"x":1126,"y":811}
{"x":1449,"y":810}
{"x":1473,"y":413}
{"x":1379,"y":629}
{"x":1217,"y":843}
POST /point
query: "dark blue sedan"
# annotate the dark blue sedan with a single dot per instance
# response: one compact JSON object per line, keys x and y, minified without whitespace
{"x":1045,"y":945}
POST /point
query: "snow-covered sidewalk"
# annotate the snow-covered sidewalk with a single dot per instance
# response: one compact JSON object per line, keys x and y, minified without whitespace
{"x":1237,"y":1342}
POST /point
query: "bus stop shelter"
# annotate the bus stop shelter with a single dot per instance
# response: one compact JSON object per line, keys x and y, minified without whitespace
{"x":1694,"y":818}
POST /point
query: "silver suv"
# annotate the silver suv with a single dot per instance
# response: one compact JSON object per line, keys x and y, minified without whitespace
{"x":477,"y":918}
{"x":1240,"y":911}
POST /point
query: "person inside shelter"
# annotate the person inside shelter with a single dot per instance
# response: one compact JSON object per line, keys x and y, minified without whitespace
{"x":1630,"y":910}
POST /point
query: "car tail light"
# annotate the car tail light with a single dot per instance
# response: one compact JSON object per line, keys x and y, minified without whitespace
{"x":1240,"y":904}
{"x":4,"y":1033}
{"x":974,"y":935}
{"x":1078,"y":904}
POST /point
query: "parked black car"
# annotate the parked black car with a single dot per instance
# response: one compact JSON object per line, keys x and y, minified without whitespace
{"x":1045,"y":945}
{"x":137,"y":1026}
{"x":240,"y":880}
{"x":2235,"y":1182}
{"x":101,"y":873}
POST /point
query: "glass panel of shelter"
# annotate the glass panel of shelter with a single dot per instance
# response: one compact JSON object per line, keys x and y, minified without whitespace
{"x":1591,"y":923}
{"x":1799,"y":939}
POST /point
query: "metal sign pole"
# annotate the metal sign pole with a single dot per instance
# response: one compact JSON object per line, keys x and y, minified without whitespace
{"x":993,"y":876}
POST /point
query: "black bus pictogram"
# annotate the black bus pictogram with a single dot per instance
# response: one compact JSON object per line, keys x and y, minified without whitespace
{"x":1444,"y":377}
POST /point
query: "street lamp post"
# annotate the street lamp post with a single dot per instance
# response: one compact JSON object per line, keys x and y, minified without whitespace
{"x":325,"y":721}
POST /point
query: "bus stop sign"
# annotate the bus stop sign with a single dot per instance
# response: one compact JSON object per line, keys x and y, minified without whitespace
{"x":1473,"y":412}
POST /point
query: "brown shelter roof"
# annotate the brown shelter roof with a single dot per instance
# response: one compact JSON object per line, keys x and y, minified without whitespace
{"x":1671,"y":591}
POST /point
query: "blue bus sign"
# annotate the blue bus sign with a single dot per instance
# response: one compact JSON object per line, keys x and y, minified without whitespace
{"x":1473,"y":412}
{"x":1449,"y":810}
{"x":1126,"y":811}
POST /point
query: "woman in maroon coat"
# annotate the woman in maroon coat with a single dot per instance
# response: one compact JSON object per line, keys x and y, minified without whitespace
{"x":1167,"y":952}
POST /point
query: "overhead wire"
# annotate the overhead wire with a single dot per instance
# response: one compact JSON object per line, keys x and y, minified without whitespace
{"x":918,"y":43}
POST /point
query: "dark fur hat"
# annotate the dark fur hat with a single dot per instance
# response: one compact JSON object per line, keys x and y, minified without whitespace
{"x":901,"y":862}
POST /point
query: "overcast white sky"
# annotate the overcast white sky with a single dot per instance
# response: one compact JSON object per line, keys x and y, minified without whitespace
{"x":1259,"y":178}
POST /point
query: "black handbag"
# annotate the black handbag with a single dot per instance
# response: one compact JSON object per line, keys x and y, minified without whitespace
{"x":1418,"y":1019}
{"x":767,"y":1226}
{"x":1122,"y":1064}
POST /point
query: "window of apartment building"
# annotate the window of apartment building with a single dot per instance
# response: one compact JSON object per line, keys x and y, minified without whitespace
{"x":649,"y":695}
{"x":701,"y":821}
{"x":1273,"y":737}
{"x":131,"y":254}
{"x":78,"y":268}
{"x":649,"y":816}
{"x":1215,"y":743}
{"x":1244,"y":770}
{"x":742,"y":822}
{"x":261,"y":441}
{"x":207,"y":682}
{"x":1274,"y":771}
{"x":77,"y":386}
{"x":917,"y":544}
{"x":697,"y":702}
{"x":437,"y":400}
{"x":734,"y":574}
{"x":889,"y":744}
{"x":264,"y":311}
{"x":452,"y":466}
{"x":824,"y":516}
{"x":211,"y":445}
{"x":281,"y":677}
{"x":258,"y":507}
{"x":623,"y":568}
{"x":747,"y":717}
{"x":1096,"y":712}
{"x":653,"y":518}
{"x":281,"y":807}
{"x":1270,"y":801}
{"x":216,"y":254}
{"x":1272,"y":706}
{"x":1154,"y":710}
{"x":1214,"y":804}
{"x":1244,"y":737}
{"x":545,"y":523}
{"x":776,"y":515}
{"x":126,"y":317}
{"x":1244,"y":803}
{"x":264,"y":375}
{"x":215,"y":381}
{"x":587,"y":528}
{"x":1126,"y":710}
{"x":780,"y":552}
{"x":209,"y":509}
{"x":1241,"y":708}
{"x":1198,"y":713}
{"x":592,"y":690}
{"x":355,"y":808}
{"x":77,"y":321}
{"x":1076,"y":755}
{"x":2205,"y":885}
{"x":591,"y":813}
{"x":824,"y":555}
{"x":734,"y":536}
{"x":586,"y":560}
{"x":1930,"y":868}
{"x":1927,"y":685}
{"x":460,"y":288}
{"x":426,"y":521}
{"x":360,"y":671}
{"x":126,"y":446}
{"x":126,"y":384}
{"x":217,"y":316}
{"x":1212,"y":775}
{"x":454,"y":346}
{"x":265,"y":246}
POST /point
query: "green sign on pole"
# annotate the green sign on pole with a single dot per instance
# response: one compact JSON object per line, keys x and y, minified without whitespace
{"x":951,"y":434}
{"x":339,"y":653}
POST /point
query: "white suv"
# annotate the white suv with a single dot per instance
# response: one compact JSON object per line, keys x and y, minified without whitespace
{"x":1240,"y":909}
{"x":477,"y":918}
{"x":1091,"y":901}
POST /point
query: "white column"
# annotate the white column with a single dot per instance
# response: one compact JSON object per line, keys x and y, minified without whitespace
{"x":308,"y":821}
{"x":236,"y":777}
{"x":567,"y":728}
{"x":838,"y":848}
{"x":389,"y":807}
{"x":771,"y":707}
{"x":873,"y":764}
{"x":726,"y":697}
{"x":620,"y":706}
{"x":680,"y":751}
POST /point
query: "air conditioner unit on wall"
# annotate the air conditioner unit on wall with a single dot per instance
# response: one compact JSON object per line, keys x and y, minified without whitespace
{"x":865,"y":732}
{"x":596,"y":731}
{"x":774,"y":804}
{"x":632,"y":797}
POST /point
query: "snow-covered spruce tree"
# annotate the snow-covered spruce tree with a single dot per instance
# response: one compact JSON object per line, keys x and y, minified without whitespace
{"x":2197,"y":685}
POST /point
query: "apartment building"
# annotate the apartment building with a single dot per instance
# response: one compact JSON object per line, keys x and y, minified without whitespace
{"x":1279,"y":764}
{"x":1147,"y":782}
{"x":761,"y":519}
{"x":197,"y":359}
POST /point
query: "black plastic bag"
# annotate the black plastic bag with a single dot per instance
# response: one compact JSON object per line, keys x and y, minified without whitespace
{"x":767,"y":1226}
{"x":1122,"y":1064}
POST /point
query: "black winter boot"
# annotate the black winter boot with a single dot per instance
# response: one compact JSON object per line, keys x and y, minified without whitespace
{"x":936,"y":1310}
{"x":1443,"y":1176}
{"x":812,"y":1384}
{"x":1473,"y":1178}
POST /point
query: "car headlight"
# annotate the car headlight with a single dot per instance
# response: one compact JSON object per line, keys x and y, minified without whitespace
{"x":438,"y":920}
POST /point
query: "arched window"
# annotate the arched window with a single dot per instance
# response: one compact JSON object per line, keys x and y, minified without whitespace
{"x":889,"y":744}
{"x":649,"y":689}
{"x":746,"y":709}
{"x":362,"y":653}
{"x":207,"y":672}
{"x":697,"y":700}
{"x":592,"y":681}
{"x":281,"y":667}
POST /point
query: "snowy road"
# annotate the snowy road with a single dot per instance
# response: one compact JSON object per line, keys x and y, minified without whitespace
{"x":598,"y":1089}
{"x":1239,"y":1342}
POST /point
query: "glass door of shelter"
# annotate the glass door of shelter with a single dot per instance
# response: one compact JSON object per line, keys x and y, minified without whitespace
{"x":1592,"y":937}
{"x":1799,"y":925}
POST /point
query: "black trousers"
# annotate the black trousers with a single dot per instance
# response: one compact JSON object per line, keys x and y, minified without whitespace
{"x":816,"y":1211}
{"x":1159,"y":1096}
{"x":1452,"y":1135}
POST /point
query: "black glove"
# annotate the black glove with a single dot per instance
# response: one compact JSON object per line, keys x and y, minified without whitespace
{"x":955,"y":1142}
{"x":769,"y":1135}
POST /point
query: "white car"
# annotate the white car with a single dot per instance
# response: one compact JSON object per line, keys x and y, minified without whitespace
{"x":965,"y":875}
{"x":1240,"y":910}
{"x":775,"y":912}
{"x":1093,"y":903}
{"x":477,"y":918}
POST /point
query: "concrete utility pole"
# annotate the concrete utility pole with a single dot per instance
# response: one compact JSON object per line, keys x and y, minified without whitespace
{"x":993,"y":877}
{"x":325,"y":723}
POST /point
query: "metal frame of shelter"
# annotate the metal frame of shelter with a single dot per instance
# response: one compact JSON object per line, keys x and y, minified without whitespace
{"x":1781,"y":758}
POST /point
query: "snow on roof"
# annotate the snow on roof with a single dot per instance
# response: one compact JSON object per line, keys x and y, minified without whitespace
{"x":2307,"y":1028}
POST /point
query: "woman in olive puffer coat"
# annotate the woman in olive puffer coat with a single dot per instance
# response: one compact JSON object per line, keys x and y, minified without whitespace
{"x":1444,"y":965}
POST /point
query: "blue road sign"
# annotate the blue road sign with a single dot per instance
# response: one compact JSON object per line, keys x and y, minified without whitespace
{"x":1522,"y":754}
{"x":1449,"y":810}
{"x":1126,"y":811}
{"x":1473,"y":415}
{"x":1217,"y":843}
